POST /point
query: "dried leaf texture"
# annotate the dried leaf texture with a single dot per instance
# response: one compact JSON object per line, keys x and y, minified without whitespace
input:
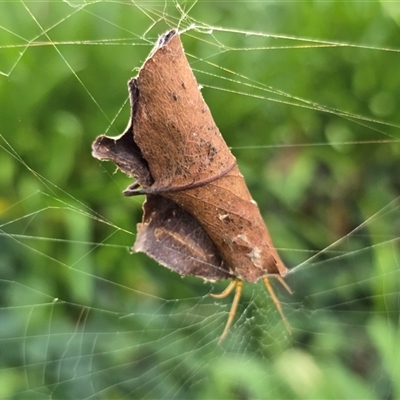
{"x":175,"y":239}
{"x":179,"y":158}
{"x":168,"y":233}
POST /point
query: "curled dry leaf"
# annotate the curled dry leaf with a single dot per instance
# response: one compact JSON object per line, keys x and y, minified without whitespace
{"x":199,"y":218}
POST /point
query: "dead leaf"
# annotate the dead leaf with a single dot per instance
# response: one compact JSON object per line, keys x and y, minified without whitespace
{"x":199,"y":217}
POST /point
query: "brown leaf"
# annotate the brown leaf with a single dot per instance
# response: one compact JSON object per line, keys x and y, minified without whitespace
{"x":175,"y":239}
{"x":199,"y":217}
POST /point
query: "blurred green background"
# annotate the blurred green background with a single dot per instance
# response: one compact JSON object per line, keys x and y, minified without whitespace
{"x":310,"y":109}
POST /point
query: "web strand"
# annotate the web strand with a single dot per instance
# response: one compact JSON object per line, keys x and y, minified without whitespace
{"x":309,"y":110}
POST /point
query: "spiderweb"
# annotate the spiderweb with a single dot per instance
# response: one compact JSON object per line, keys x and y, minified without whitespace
{"x":306,"y":94}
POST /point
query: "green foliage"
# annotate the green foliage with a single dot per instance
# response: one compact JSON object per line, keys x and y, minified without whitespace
{"x":81,"y":317}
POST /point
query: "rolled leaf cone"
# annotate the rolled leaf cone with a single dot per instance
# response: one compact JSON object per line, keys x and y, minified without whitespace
{"x":199,"y":217}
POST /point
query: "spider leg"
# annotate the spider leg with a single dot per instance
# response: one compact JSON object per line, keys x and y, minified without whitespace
{"x":234,"y":307}
{"x":226,"y":292}
{"x":283,"y":283}
{"x":276,"y":301}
